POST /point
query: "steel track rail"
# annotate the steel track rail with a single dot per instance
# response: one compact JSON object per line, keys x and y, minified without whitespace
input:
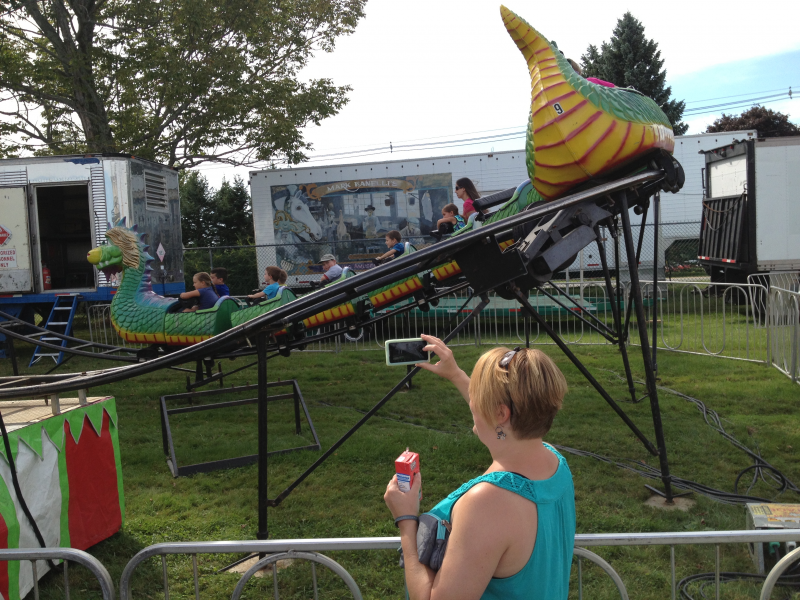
{"x":335,"y":294}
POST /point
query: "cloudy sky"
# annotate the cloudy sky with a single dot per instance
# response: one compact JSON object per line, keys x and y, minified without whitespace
{"x":443,"y":73}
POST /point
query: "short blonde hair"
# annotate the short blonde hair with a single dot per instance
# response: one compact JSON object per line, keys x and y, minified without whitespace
{"x":531,"y":385}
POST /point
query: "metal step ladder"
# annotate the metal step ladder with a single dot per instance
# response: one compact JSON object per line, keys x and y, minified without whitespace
{"x":59,"y":321}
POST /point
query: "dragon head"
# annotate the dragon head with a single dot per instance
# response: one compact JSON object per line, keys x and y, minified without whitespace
{"x":123,"y":250}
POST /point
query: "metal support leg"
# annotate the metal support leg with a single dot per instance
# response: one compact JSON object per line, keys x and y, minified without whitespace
{"x":263,"y":502}
{"x":616,"y":314}
{"x":296,"y":400}
{"x":636,"y":295}
{"x":627,"y":233}
{"x":656,"y":219}
{"x":585,"y":372}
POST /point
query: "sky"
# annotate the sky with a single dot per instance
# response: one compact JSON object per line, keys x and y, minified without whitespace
{"x":443,"y":73}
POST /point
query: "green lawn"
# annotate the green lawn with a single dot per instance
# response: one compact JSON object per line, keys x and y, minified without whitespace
{"x":344,"y":497}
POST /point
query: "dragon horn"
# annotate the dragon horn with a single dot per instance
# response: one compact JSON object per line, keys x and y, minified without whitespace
{"x":135,"y":228}
{"x":578,"y":129}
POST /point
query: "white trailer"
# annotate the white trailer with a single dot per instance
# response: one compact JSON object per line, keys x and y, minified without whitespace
{"x":304,"y":212}
{"x":54,"y":209}
{"x":751,"y":209}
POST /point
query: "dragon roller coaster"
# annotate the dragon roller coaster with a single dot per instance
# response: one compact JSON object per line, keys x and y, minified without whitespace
{"x":614,"y":158}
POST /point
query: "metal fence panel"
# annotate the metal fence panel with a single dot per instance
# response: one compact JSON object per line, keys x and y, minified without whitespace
{"x":784,"y":328}
{"x":312,"y":547}
{"x":68,"y":555}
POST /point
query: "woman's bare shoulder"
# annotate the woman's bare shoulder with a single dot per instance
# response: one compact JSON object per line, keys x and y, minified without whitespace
{"x":483,"y":501}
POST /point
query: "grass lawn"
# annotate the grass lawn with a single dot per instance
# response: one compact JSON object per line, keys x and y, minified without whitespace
{"x":344,"y":497}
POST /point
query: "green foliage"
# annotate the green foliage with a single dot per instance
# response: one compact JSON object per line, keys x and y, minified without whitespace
{"x":629,"y":59}
{"x":767,"y":122}
{"x":221,"y":217}
{"x":177,"y":81}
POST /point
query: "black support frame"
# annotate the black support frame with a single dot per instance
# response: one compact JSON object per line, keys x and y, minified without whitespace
{"x":229,"y":463}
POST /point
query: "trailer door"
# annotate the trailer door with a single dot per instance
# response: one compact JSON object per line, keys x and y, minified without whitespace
{"x":723,"y":240}
{"x":15,"y":249}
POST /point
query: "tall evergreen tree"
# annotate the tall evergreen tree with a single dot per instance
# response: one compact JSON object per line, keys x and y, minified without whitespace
{"x":209,"y":217}
{"x":231,"y":214}
{"x":629,"y":59}
{"x":195,"y":207}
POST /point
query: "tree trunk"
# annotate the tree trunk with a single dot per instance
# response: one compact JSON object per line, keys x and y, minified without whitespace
{"x":73,"y":48}
{"x":92,"y":112}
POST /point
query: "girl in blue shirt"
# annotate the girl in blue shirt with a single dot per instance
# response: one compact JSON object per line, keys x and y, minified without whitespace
{"x":204,"y":290}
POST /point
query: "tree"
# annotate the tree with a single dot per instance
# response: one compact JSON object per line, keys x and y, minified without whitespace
{"x":196,"y":198}
{"x":221,"y":217}
{"x":767,"y":122}
{"x":209,"y":217}
{"x":231,"y":217}
{"x":176,"y":81}
{"x":629,"y":59}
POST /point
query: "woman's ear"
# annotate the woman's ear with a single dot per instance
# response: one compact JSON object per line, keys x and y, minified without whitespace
{"x":502,"y":414}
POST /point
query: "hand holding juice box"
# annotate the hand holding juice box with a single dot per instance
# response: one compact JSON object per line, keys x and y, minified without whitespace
{"x":406,"y":466}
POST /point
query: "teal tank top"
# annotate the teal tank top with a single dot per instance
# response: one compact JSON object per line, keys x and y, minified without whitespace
{"x":546,"y":574}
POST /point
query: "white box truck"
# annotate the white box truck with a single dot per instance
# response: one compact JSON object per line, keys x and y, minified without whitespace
{"x":54,"y":209}
{"x":751,"y":209}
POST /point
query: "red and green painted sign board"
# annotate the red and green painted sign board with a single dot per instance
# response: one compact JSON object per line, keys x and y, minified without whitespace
{"x":70,"y":476}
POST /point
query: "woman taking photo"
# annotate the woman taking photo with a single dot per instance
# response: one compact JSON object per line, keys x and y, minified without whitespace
{"x":512,"y":529}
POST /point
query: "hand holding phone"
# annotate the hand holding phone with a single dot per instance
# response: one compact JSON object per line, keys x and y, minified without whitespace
{"x":406,"y":352}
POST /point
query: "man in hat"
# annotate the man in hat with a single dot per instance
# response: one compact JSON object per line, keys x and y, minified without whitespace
{"x":332,"y":271}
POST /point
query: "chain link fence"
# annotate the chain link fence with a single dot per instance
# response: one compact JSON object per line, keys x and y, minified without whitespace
{"x":677,"y":258}
{"x":746,"y":321}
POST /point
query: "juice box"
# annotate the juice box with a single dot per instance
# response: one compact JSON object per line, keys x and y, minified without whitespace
{"x":406,"y":466}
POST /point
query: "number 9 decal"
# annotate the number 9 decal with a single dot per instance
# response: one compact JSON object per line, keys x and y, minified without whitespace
{"x":558,"y":108}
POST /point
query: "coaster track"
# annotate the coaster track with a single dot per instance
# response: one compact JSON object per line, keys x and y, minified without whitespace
{"x":640,"y":187}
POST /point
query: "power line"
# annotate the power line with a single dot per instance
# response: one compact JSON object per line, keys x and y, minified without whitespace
{"x":726,"y":104}
{"x":740,"y":95}
{"x":745,"y":105}
{"x":697,"y":111}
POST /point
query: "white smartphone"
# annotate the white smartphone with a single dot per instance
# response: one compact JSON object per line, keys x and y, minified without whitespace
{"x":406,"y":352}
